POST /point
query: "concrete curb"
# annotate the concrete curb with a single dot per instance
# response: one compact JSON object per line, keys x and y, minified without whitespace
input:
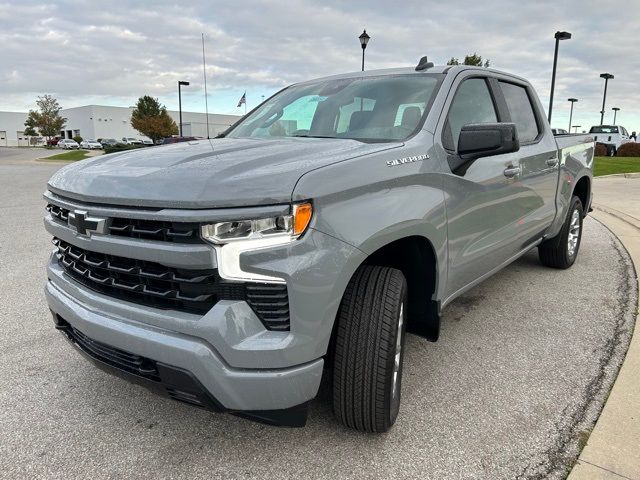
{"x":625,"y":175}
{"x":613,"y":448}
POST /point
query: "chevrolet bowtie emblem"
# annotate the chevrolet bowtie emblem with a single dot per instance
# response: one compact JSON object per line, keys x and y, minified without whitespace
{"x":86,"y":225}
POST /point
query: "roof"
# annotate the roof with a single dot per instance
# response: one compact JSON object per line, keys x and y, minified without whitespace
{"x":437,"y":69}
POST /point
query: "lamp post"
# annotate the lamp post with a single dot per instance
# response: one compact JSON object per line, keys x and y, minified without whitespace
{"x":607,"y":77}
{"x":572,"y":100}
{"x":180,"y":84}
{"x":615,"y":113}
{"x":364,"y":39}
{"x":576,"y":127}
{"x":558,"y":36}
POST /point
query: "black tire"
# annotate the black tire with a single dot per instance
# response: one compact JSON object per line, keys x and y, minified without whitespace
{"x":372,"y":315}
{"x":556,"y":251}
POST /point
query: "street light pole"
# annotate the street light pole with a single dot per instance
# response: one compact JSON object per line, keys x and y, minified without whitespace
{"x":572,"y":100}
{"x":364,"y":39}
{"x":615,"y":113}
{"x":180,"y":83}
{"x":558,"y":36}
{"x":607,"y":77}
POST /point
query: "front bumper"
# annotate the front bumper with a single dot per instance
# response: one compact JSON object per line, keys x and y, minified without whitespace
{"x":176,"y":383}
{"x":233,"y":389}
{"x":239,"y":363}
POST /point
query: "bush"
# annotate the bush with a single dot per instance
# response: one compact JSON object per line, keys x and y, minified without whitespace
{"x":77,"y":138}
{"x":630,"y":149}
{"x":120,"y":147}
{"x":601,"y":150}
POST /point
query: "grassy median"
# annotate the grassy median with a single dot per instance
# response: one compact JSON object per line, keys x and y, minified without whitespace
{"x":611,"y":165}
{"x":71,"y":156}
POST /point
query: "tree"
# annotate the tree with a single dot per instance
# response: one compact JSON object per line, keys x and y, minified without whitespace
{"x":473,"y":59}
{"x":47,"y":119}
{"x":30,"y":124}
{"x":152,"y":120}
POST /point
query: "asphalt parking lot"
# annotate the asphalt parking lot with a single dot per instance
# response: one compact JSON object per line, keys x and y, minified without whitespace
{"x":510,"y":391}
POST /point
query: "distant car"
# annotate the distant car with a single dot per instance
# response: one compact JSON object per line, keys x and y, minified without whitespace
{"x":147,"y":142}
{"x":52,"y":142}
{"x":169,"y":140}
{"x":612,"y":136}
{"x":68,"y":144}
{"x":131,"y":141}
{"x":559,"y":131}
{"x":90,"y":144}
{"x":109,"y":142}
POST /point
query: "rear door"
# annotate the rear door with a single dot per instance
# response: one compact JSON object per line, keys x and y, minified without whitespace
{"x":538,"y":158}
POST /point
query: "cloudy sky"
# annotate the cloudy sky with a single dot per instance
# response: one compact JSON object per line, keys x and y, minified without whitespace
{"x":111,"y":53}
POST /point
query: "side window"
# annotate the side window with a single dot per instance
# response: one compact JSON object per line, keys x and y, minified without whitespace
{"x":521,"y":111}
{"x":471,"y":104}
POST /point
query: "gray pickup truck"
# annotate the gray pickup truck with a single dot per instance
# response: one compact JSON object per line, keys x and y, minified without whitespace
{"x":233,"y":273}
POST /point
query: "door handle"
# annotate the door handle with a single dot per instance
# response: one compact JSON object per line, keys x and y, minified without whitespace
{"x":511,"y":171}
{"x":552,"y":162}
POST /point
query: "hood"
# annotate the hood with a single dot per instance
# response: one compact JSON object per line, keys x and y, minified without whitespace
{"x":206,"y":173}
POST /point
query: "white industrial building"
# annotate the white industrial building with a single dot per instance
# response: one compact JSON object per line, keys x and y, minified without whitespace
{"x":99,"y":121}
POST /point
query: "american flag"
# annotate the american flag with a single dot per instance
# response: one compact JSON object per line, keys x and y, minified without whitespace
{"x":243,"y":99}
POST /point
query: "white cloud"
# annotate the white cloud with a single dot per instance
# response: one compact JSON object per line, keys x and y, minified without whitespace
{"x":87,"y":52}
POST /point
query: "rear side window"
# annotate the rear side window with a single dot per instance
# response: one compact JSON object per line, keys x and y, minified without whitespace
{"x":471,"y":104}
{"x":521,"y":111}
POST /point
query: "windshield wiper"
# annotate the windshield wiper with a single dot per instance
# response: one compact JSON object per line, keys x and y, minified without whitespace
{"x":313,"y":136}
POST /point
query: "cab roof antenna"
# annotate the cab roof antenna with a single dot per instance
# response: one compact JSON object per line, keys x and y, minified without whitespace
{"x":423,"y":64}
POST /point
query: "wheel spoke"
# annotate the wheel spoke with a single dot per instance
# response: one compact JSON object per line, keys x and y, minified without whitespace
{"x":574,"y":233}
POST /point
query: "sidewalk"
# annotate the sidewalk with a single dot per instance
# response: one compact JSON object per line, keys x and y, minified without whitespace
{"x":613,"y":449}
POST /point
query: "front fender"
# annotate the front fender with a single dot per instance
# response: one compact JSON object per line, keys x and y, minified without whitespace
{"x":368,"y":205}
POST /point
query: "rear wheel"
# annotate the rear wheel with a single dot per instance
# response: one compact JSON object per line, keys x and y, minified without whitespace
{"x":368,"y":356}
{"x":561,"y":251}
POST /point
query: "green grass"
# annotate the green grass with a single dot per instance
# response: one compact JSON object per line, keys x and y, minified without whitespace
{"x":72,"y":156}
{"x":610,"y":165}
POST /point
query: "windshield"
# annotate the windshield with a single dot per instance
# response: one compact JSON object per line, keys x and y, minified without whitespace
{"x":604,"y":129}
{"x":369,"y":109}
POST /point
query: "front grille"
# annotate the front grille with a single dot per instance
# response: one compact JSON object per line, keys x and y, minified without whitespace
{"x":163,"y":231}
{"x":148,"y":283}
{"x":159,"y":286}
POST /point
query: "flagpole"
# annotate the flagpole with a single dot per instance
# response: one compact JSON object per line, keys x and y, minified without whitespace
{"x":204,"y":74}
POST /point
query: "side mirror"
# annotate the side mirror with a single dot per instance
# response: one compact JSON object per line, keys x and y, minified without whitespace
{"x":486,"y":139}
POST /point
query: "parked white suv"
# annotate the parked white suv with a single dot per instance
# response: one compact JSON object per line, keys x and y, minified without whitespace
{"x":612,"y":136}
{"x":131,"y":141}
{"x":67,"y":143}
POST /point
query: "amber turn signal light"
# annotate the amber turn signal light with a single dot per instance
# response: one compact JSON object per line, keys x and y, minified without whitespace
{"x":302,"y":213}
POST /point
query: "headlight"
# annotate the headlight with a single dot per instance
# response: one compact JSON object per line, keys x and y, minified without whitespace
{"x":286,"y":227}
{"x":232,"y":239}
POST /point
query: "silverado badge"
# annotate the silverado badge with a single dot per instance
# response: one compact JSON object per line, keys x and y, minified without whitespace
{"x":402,"y":161}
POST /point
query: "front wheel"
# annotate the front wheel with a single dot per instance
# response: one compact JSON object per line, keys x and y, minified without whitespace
{"x":561,"y":251}
{"x":368,"y":356}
